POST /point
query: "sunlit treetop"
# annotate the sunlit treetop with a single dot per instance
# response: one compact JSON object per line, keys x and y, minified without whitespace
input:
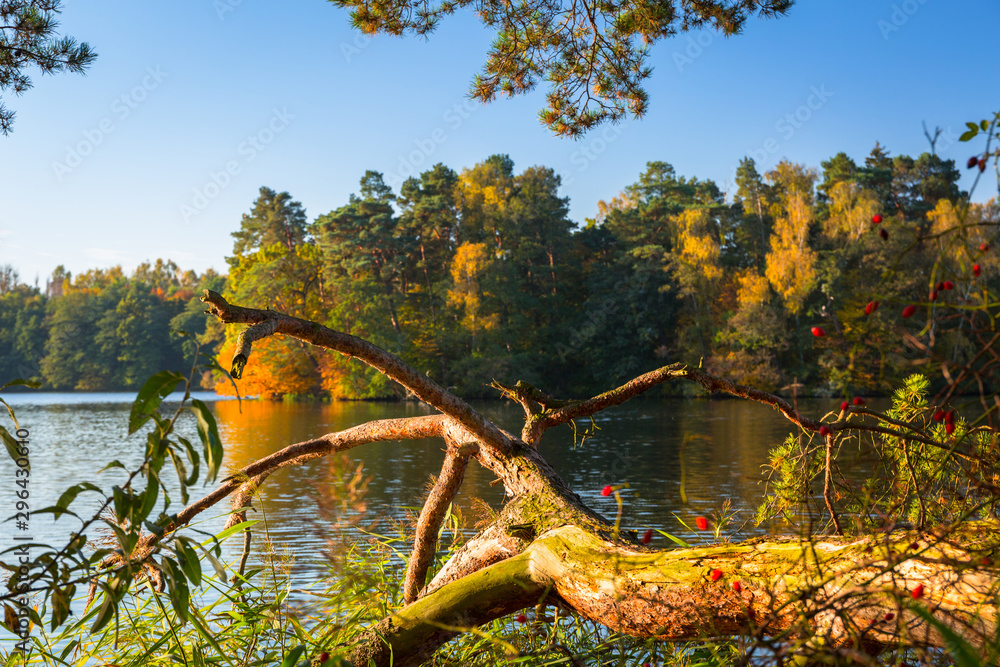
{"x":593,"y":53}
{"x":28,"y":39}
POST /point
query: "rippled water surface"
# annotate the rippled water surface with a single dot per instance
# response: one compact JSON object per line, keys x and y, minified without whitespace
{"x":678,"y":457}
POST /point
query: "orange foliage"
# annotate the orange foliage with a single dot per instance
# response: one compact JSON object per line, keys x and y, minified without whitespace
{"x":277,"y":367}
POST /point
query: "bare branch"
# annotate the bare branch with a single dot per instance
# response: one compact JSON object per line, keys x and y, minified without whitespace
{"x":425,"y":542}
{"x":265,"y":323}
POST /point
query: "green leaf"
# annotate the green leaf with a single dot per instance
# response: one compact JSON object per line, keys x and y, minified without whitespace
{"x":70,"y":494}
{"x":208,"y":431}
{"x":150,"y":495}
{"x":673,"y":538}
{"x":967,"y":135}
{"x":188,"y":559}
{"x":12,"y":445}
{"x":180,"y":597}
{"x":22,"y":383}
{"x":127,"y":540}
{"x":238,"y":528}
{"x":182,"y":475}
{"x":192,"y":455}
{"x":150,"y":396}
{"x":220,"y":570}
{"x":199,"y":624}
{"x":109,"y":607}
{"x":60,"y":607}
{"x":69,"y":649}
{"x":984,"y":125}
{"x":10,"y":410}
{"x":292,"y":656}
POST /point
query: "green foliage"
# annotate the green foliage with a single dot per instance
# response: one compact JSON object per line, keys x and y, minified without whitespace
{"x":912,"y":471}
{"x":125,"y":513}
{"x":594,"y":56}
{"x":28,"y":40}
{"x":103,"y":330}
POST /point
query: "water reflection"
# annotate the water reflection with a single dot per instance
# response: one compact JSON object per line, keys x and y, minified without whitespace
{"x":724,"y":444}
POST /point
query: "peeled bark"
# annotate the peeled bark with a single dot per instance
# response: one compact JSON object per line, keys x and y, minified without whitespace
{"x":546,"y":544}
{"x":833,"y":588}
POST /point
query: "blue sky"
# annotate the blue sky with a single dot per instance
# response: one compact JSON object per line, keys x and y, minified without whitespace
{"x":193,"y":105}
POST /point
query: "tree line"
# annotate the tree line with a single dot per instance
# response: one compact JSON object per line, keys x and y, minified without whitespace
{"x":803,"y":277}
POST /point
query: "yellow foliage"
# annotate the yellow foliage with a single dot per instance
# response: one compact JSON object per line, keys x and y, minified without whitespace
{"x":791,"y":263}
{"x":697,"y":247}
{"x":851,"y":211}
{"x":484,"y":190}
{"x":469,"y":263}
{"x":620,"y":202}
{"x":753,"y":289}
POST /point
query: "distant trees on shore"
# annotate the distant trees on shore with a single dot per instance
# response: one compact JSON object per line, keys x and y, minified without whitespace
{"x":479,"y":274}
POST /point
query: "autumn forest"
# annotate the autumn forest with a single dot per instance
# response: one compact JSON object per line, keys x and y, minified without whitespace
{"x":818,"y":277}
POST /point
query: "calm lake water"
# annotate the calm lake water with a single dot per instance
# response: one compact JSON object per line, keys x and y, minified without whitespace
{"x":642,"y":443}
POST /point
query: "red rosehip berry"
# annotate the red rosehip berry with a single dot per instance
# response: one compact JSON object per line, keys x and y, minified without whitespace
{"x":889,"y":616}
{"x":976,"y":269}
{"x":939,"y":286}
{"x":909,"y":310}
{"x":323,"y":657}
{"x":647,"y":536}
{"x":876,"y":219}
{"x":824,"y":431}
{"x":844,"y":406}
{"x":871,"y":307}
{"x":973,"y":161}
{"x":818,"y":332}
{"x":948,"y":285}
{"x":939,"y":415}
{"x":859,"y":401}
{"x":986,"y":561}
{"x":737,"y":586}
{"x":702,"y":523}
{"x":716,"y":574}
{"x":982,"y":164}
{"x":606,"y":491}
{"x":521,"y":618}
{"x":933,"y":295}
{"x":949,"y":427}
{"x":950,"y":417}
{"x":918,"y":592}
{"x":984,"y":247}
{"x":884,"y":234}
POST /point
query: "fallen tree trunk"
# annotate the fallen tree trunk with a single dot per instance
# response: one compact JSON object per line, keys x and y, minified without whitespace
{"x":546,"y":545}
{"x":852,"y":596}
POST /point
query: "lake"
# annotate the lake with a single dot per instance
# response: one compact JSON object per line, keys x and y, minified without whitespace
{"x":722,"y":444}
